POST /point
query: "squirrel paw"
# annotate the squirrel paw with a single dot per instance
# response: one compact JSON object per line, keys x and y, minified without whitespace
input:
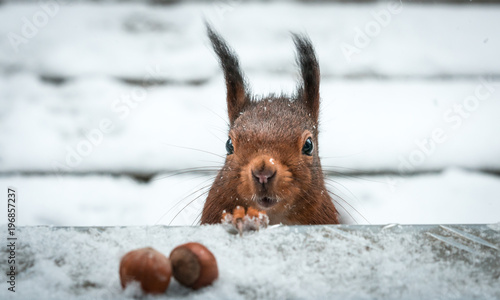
{"x":239,"y":222}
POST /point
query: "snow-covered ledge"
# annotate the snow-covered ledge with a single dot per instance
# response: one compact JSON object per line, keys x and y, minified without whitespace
{"x":287,"y":262}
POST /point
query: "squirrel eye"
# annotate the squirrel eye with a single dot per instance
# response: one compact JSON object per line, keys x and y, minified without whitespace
{"x":229,"y":147}
{"x":308,"y":147}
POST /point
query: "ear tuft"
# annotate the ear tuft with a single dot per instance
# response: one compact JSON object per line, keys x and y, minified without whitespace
{"x":309,"y":70}
{"x":237,"y":95}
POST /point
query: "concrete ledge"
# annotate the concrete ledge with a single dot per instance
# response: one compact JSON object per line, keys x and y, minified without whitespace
{"x":293,"y":262}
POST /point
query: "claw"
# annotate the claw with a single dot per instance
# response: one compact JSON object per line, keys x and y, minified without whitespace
{"x":239,"y":222}
{"x":239,"y":226}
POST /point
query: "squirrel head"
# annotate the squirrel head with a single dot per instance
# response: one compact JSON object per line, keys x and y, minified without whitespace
{"x":272,"y":148}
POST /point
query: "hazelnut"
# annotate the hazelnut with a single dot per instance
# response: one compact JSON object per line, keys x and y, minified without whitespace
{"x":193,"y":265}
{"x":149,"y":267}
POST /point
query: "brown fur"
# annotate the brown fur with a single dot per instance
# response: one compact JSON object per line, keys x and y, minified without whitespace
{"x":268,"y":136}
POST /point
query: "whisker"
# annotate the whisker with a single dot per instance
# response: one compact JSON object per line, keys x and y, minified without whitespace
{"x":345,"y":168}
{"x":222,"y":141}
{"x":353,"y":177}
{"x":335,"y":196}
{"x":332,"y":172}
{"x":347,"y":211}
{"x":185,"y":206}
{"x":342,"y":156}
{"x":197,"y":220}
{"x":213,"y":161}
{"x":328,"y":180}
{"x":206,"y":169}
{"x":184,"y":198}
{"x":212,"y":111}
{"x":194,"y":149}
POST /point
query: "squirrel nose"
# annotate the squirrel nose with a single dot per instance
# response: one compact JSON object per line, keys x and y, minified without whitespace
{"x":263,"y":176}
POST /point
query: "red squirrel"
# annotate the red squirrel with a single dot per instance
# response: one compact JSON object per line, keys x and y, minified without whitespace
{"x":272,"y":160}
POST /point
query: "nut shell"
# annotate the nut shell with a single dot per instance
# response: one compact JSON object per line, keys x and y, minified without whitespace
{"x":193,"y":265}
{"x":147,"y":266}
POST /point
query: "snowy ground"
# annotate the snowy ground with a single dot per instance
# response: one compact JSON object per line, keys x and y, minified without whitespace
{"x":421,"y":95}
{"x":277,"y":263}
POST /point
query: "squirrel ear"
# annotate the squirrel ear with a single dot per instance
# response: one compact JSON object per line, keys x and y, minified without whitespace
{"x":309,"y":70}
{"x":237,"y":95}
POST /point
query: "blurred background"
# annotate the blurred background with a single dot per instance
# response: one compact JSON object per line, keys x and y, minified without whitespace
{"x":113,"y":112}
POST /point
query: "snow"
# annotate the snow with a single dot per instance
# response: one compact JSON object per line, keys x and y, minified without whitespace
{"x":367,"y":125}
{"x":357,"y":131}
{"x":95,"y":122}
{"x":120,"y":40}
{"x":452,"y":197}
{"x":276,"y":263}
{"x":418,"y":101}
